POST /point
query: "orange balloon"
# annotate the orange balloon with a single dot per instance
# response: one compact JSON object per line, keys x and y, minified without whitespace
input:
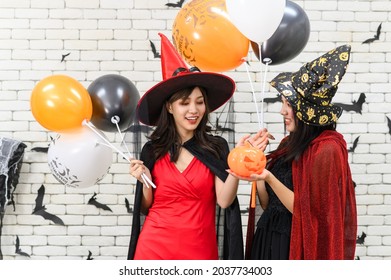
{"x":246,"y":160}
{"x":60,"y":103}
{"x":206,"y":38}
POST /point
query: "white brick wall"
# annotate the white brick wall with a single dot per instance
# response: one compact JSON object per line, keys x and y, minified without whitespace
{"x":112,"y":36}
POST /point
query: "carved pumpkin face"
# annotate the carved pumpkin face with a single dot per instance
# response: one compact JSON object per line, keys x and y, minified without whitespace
{"x":246,"y":160}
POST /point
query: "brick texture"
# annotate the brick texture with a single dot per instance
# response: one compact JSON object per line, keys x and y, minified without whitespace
{"x":113,"y":37}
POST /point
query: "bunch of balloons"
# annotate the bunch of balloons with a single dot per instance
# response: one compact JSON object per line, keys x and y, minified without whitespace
{"x":214,"y":35}
{"x":80,"y":155}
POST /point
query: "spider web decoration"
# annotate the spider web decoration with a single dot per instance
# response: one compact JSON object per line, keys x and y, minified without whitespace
{"x":231,"y":124}
{"x":135,"y":137}
{"x":11,"y":157}
{"x":223,"y":124}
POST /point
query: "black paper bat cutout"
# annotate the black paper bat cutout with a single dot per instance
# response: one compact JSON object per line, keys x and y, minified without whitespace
{"x":128,"y":208}
{"x":375,"y":37}
{"x":356,"y":106}
{"x":64,"y":56}
{"x":139,"y":128}
{"x":40,"y":149}
{"x":389,"y":124}
{"x":176,"y":5}
{"x":89,"y":256}
{"x":361,"y":239}
{"x":355,"y":142}
{"x":156,"y":54}
{"x":40,"y":209}
{"x":18,"y":250}
{"x":98,"y":205}
{"x":272,"y":99}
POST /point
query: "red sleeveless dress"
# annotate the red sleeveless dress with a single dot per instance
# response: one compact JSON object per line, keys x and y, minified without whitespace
{"x":180,"y":224}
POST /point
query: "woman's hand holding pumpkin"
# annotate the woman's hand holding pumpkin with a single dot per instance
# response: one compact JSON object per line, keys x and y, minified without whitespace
{"x":247,"y":161}
{"x":263,"y":176}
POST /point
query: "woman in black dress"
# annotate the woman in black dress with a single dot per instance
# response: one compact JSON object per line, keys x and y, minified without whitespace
{"x":272,"y":236}
{"x":307,"y":190}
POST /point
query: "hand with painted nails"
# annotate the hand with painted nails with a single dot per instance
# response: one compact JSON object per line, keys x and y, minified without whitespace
{"x":260,"y":140}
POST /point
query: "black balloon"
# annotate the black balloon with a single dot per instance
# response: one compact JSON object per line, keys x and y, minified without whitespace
{"x":288,"y":40}
{"x":114,"y":99}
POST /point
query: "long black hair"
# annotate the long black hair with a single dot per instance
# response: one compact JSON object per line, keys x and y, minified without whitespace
{"x":165,"y":137}
{"x":293,"y":146}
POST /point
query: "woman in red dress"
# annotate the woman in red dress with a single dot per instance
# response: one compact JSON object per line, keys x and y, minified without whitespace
{"x":188,"y":166}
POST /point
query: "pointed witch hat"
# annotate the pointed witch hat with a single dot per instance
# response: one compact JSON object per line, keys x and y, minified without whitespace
{"x":311,"y":89}
{"x":177,"y":76}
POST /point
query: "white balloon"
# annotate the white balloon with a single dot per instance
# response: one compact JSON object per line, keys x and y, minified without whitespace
{"x":256,"y":19}
{"x":79,"y":158}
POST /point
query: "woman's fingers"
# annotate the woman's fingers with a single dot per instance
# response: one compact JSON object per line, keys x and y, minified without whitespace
{"x":240,"y":177}
{"x":136,"y":161}
{"x":243,"y":140}
{"x":137,"y":168}
{"x":259,"y":140}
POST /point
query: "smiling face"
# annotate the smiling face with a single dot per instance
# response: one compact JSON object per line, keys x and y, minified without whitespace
{"x":188,"y":113}
{"x":288,"y":114}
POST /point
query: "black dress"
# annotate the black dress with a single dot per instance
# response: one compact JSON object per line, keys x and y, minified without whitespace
{"x":272,"y":236}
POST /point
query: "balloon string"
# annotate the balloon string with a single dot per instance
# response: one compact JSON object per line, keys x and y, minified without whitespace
{"x":267,"y":61}
{"x":144,"y":177}
{"x":115,"y":120}
{"x":254,"y":96}
{"x":104,"y":144}
{"x":87,"y":123}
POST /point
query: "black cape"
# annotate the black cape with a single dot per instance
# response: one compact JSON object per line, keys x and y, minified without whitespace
{"x":233,"y":236}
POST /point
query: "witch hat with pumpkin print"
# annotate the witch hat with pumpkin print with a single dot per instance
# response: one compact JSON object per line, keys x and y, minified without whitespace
{"x":311,"y":89}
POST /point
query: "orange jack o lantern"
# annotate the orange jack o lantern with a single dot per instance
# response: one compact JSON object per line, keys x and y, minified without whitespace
{"x":246,"y":160}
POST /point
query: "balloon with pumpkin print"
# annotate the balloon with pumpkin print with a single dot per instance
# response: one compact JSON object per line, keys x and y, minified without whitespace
{"x":79,"y":158}
{"x":206,"y":38}
{"x":246,"y":160}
